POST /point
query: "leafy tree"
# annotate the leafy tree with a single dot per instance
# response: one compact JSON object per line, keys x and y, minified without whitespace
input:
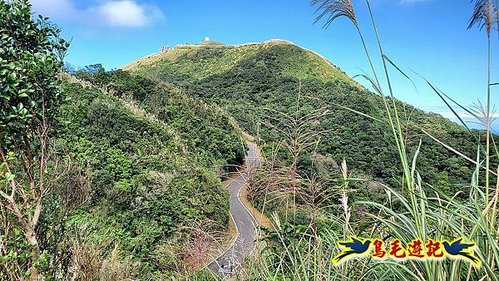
{"x":31,"y":54}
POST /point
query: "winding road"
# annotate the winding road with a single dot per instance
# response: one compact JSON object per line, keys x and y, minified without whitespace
{"x":245,"y":223}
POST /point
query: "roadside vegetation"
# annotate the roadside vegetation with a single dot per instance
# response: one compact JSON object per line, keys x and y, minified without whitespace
{"x":415,"y":207}
{"x":117,"y":175}
{"x":105,"y":175}
{"x":266,"y":78}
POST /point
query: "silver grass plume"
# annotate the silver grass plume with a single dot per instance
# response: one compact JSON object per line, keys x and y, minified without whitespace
{"x":484,"y":15}
{"x":333,"y":9}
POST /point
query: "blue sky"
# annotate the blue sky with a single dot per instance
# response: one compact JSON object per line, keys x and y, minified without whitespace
{"x":429,"y":37}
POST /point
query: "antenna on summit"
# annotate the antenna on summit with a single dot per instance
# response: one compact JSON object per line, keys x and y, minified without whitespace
{"x":165,"y":49}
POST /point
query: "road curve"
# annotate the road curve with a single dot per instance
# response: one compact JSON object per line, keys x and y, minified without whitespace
{"x":245,"y":223}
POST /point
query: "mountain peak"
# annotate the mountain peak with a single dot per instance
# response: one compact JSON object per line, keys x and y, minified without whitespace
{"x":210,"y":57}
{"x":279,"y":42}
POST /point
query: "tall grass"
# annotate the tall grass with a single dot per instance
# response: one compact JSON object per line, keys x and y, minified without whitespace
{"x":423,"y":211}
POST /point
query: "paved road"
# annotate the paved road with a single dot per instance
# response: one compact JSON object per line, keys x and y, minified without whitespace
{"x":245,"y":223}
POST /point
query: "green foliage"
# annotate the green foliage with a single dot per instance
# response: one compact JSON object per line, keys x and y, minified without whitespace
{"x":150,"y":145}
{"x":410,"y":212}
{"x":31,"y":53}
{"x":207,"y":131}
{"x":378,"y":144}
{"x":145,"y":188}
{"x":269,"y":76}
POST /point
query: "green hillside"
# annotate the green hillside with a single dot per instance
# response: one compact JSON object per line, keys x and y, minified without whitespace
{"x":249,"y":80}
{"x":154,"y":171}
{"x":260,"y":161}
{"x":332,"y":167}
{"x":204,"y":61}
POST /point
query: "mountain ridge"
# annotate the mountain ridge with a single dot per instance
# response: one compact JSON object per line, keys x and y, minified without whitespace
{"x":179,"y":50}
{"x":248,"y":80}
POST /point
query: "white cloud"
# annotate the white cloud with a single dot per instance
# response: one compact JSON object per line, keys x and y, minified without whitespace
{"x":114,"y":13}
{"x":128,"y":13}
{"x":61,"y":9}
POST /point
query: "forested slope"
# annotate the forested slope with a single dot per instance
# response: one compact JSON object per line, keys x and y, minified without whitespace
{"x":154,"y":173}
{"x":254,"y":81}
